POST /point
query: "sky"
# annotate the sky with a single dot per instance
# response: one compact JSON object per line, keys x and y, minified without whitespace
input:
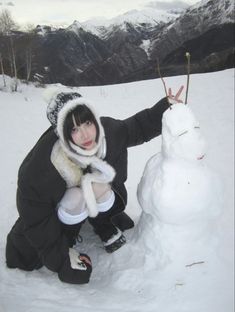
{"x":64,"y":12}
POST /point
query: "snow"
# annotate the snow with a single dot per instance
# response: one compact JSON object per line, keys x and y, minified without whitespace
{"x":179,"y":195}
{"x":144,"y":275}
{"x":101,"y":26}
{"x":181,"y":135}
{"x":145,"y":45}
{"x":218,"y":11}
{"x":147,"y":15}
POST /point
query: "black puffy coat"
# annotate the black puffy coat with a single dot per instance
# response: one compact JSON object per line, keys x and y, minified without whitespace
{"x":37,"y":237}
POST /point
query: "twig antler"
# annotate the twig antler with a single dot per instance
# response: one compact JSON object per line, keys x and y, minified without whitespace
{"x":163,"y":81}
{"x":188,"y":76}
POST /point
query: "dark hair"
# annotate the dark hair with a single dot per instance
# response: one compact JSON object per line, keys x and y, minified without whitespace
{"x":81,"y":114}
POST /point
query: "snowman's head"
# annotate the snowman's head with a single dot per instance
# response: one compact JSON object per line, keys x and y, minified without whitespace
{"x":181,"y":135}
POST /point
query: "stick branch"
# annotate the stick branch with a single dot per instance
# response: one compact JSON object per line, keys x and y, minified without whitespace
{"x":194,"y":263}
{"x":188,"y":75}
{"x":163,"y":81}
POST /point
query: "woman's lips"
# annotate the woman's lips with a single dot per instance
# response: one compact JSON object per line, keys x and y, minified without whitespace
{"x":88,"y":143}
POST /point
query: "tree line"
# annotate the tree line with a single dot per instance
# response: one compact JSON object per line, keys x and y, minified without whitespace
{"x":15,"y":55}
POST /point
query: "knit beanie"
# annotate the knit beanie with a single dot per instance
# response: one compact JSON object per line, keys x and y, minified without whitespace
{"x":56,"y":100}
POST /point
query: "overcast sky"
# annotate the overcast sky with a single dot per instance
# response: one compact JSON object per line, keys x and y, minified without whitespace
{"x":64,"y":12}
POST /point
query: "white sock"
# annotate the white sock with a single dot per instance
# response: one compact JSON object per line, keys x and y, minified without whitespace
{"x":106,"y":201}
{"x":72,"y":208}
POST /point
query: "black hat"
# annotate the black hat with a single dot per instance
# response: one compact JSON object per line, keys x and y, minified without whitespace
{"x":56,"y":100}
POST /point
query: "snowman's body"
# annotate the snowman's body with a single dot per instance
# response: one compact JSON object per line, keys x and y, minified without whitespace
{"x":176,"y":190}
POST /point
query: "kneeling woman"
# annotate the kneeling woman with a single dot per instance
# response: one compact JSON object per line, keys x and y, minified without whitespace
{"x":76,"y":171}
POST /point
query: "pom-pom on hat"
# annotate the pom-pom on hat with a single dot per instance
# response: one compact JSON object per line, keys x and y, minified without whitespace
{"x":56,"y":99}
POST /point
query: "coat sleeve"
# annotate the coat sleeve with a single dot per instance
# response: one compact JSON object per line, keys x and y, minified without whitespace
{"x":43,"y":230}
{"x":146,"y":124}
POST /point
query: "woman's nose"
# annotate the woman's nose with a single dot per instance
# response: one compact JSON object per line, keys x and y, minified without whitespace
{"x":84,"y":132}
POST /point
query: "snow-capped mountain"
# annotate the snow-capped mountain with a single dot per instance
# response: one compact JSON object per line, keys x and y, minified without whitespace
{"x":202,"y":17}
{"x":196,"y":20}
{"x":96,"y":26}
{"x":126,"y":48}
{"x":102,"y":27}
{"x":217,"y":11}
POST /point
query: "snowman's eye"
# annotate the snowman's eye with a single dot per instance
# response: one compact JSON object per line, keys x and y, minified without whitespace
{"x":197,"y":127}
{"x":183,"y":133}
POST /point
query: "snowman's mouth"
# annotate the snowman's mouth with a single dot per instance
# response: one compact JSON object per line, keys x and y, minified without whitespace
{"x":201,"y":157}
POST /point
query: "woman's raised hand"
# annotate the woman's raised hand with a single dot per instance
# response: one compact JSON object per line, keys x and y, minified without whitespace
{"x":175,"y":98}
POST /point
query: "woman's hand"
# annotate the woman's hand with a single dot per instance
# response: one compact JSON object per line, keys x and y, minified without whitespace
{"x":173,"y":99}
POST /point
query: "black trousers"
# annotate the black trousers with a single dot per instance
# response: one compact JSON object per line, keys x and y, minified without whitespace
{"x":21,"y":254}
{"x":19,"y":251}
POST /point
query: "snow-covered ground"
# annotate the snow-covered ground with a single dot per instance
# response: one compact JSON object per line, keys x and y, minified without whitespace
{"x":123,"y":281}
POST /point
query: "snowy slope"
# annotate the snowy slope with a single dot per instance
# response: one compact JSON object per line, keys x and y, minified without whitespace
{"x":123,"y":281}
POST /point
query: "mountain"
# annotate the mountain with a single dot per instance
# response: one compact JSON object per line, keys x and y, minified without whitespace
{"x":149,"y":16}
{"x":196,"y":21}
{"x":127,"y":47}
{"x":206,"y":30}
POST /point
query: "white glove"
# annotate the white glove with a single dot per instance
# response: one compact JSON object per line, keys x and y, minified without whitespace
{"x":77,"y":261}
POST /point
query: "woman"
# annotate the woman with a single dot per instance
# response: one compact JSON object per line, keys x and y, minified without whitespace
{"x":76,"y":171}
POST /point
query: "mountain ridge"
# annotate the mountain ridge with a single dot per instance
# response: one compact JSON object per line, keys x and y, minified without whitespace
{"x":128,"y":51}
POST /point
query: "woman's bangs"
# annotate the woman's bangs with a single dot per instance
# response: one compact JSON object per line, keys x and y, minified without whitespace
{"x":78,"y":116}
{"x":82,"y":114}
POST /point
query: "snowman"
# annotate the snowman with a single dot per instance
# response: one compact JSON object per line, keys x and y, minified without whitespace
{"x":177,"y":192}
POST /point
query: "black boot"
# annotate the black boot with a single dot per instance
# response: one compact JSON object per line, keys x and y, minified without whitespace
{"x":115,"y":242}
{"x":122,"y":221}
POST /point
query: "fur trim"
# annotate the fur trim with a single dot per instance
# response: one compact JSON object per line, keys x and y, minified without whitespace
{"x":84,"y":161}
{"x":60,"y":126}
{"x":68,"y":170}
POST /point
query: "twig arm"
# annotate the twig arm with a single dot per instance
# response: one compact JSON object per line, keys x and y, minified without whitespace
{"x":163,"y":81}
{"x":188,"y":75}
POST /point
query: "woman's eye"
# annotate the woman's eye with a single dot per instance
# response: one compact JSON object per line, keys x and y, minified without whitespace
{"x":74,"y":130}
{"x":88,"y":122}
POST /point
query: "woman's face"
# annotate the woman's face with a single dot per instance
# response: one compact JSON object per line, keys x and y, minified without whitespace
{"x":84,"y":135}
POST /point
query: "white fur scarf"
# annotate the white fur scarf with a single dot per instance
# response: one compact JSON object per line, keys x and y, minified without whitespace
{"x":102,"y":172}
